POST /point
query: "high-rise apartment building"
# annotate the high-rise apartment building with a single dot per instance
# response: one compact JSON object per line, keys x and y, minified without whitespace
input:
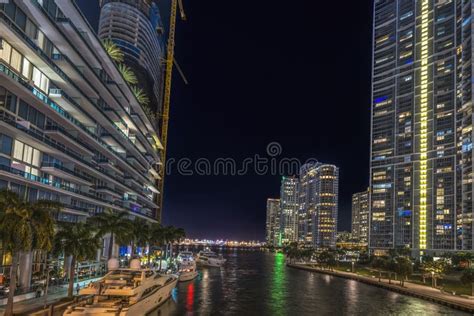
{"x":360,"y":216}
{"x":421,"y":135}
{"x":324,"y":222}
{"x":71,"y":129}
{"x":135,"y":26}
{"x":307,"y":203}
{"x":273,"y":222}
{"x":318,"y":210}
{"x":289,"y":209}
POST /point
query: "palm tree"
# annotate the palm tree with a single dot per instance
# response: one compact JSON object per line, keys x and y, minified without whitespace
{"x":80,"y":242}
{"x":113,"y":50}
{"x":157,"y":238}
{"x":127,"y":74}
{"x":116,"y":224}
{"x":24,"y":226}
{"x":173,"y":234}
{"x":140,"y":233}
{"x":142,"y":98}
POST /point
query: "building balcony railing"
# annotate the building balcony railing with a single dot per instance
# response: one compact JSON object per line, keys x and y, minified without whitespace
{"x":61,"y":73}
{"x":69,"y":171}
{"x":67,"y":137}
{"x":108,"y":190}
{"x":106,"y":79}
{"x":46,"y":100}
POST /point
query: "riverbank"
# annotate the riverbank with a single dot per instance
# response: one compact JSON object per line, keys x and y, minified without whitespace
{"x":411,"y":289}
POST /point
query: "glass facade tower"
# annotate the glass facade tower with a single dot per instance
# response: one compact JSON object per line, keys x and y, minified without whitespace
{"x":421,"y":130}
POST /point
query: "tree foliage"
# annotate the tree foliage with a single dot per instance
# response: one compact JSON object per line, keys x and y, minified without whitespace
{"x":128,"y":74}
{"x":113,"y":50}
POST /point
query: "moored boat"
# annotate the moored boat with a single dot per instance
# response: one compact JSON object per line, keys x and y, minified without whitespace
{"x":210,"y":259}
{"x":130,"y":291}
{"x":187,"y":266}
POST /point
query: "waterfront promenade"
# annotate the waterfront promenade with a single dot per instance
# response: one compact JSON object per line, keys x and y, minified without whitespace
{"x":29,"y":307}
{"x":425,"y":292}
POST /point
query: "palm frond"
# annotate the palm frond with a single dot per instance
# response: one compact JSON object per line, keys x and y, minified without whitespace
{"x":141,"y":96}
{"x":113,"y":50}
{"x":128,"y":74}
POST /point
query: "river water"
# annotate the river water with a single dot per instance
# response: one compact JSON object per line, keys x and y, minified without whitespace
{"x":259,"y":283}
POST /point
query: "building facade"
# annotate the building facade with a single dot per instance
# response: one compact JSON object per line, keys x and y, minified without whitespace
{"x":324,"y":221}
{"x":318,"y":210}
{"x":360,"y":216}
{"x":421,"y":136}
{"x":289,"y":209}
{"x":71,"y":129}
{"x":273,"y":222}
{"x":307,"y":203}
{"x":135,"y":26}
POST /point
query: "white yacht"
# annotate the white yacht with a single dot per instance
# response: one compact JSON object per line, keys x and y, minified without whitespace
{"x":187,"y":266}
{"x":132,"y":291}
{"x":209,"y":258}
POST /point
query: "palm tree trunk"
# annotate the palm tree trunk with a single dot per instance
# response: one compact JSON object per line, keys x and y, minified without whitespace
{"x":472,"y":289}
{"x":148,"y":256}
{"x":72,"y":273}
{"x":111,"y":246}
{"x":11,"y":293}
{"x":132,"y":250}
{"x":380,"y":275}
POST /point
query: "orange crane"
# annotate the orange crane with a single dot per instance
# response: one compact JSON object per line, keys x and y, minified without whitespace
{"x":167,"y":92}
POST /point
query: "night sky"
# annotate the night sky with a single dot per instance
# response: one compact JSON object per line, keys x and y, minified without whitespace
{"x":262,"y":72}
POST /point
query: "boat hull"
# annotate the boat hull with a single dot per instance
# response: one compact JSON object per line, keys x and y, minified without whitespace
{"x":210,"y":263}
{"x":142,"y":307}
{"x":187,"y":276}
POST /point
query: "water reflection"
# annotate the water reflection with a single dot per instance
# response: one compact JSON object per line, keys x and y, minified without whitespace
{"x":278,"y":283}
{"x":257,"y":283}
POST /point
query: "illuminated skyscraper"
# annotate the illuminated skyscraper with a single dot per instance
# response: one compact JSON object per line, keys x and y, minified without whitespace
{"x":421,"y":142}
{"x":136,"y":28}
{"x":273,"y":222}
{"x":318,"y":209}
{"x":289,"y":209}
{"x":360,"y":216}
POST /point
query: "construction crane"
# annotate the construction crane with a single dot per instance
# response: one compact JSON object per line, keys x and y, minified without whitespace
{"x":167,"y":93}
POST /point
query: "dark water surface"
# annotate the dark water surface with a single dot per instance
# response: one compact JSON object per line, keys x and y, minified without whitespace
{"x":259,"y":283}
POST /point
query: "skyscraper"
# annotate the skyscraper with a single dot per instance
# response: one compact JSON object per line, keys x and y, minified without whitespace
{"x":289,"y":209}
{"x":421,"y":135}
{"x":273,"y":222}
{"x":307,"y":203}
{"x":135,"y":26}
{"x":318,"y":198}
{"x":360,"y":216}
{"x":324,"y":222}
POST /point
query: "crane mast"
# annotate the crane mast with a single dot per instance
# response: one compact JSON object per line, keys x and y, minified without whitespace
{"x":167,"y":94}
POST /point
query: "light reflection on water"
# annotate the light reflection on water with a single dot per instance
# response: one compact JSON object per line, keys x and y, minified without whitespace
{"x":258,"y":283}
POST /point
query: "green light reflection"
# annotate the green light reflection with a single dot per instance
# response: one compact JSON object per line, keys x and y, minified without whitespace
{"x":278,"y":285}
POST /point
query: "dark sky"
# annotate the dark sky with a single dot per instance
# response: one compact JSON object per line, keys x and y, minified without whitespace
{"x":263,"y":72}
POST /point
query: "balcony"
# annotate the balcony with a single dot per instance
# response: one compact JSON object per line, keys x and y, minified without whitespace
{"x":61,"y":135}
{"x":109,"y":191}
{"x":109,"y":165}
{"x":64,"y":173}
{"x":46,"y":183}
{"x":133,"y":183}
{"x":38,"y":135}
{"x":135,"y":163}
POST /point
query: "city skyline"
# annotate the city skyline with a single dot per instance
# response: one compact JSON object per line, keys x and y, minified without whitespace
{"x":281,"y":91}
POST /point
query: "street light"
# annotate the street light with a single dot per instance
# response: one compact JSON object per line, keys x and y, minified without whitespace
{"x":432,"y":278}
